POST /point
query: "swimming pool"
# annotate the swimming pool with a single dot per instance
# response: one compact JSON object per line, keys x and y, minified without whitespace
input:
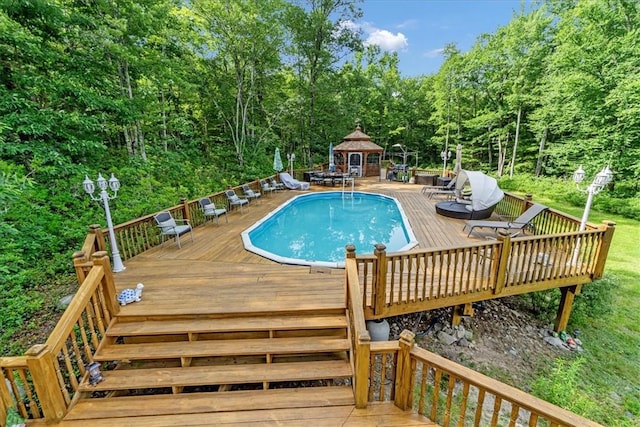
{"x":313,"y":229}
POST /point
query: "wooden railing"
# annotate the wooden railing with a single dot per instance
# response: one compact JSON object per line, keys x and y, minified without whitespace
{"x":43,"y":382}
{"x":398,"y":283}
{"x":141,"y":234}
{"x":451,"y":394}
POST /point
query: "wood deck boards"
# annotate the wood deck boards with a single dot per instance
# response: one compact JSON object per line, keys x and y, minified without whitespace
{"x":215,"y":275}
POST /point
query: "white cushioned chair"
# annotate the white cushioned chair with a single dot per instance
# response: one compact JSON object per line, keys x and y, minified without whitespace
{"x":169,"y":226}
{"x":210,"y":210}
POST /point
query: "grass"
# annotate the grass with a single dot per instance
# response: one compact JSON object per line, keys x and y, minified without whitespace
{"x":610,"y":366}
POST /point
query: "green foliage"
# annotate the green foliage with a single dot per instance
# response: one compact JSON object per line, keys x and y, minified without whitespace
{"x":562,"y":387}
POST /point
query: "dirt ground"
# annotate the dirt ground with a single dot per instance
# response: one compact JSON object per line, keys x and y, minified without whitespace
{"x":505,"y":343}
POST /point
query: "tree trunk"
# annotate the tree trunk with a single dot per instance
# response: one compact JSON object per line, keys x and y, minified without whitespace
{"x":515,"y":143}
{"x":543,"y":141}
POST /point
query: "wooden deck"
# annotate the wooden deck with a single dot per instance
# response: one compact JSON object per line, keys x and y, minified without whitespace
{"x":214,"y":275}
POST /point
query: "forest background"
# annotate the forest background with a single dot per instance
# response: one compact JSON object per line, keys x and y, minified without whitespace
{"x":180,"y":99}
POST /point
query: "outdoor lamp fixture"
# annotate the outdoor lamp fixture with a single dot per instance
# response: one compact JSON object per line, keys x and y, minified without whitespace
{"x":601,"y":180}
{"x":291,"y":158}
{"x":114,"y":185}
{"x":445,"y":155}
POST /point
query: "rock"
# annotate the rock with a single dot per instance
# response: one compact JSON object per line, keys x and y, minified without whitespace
{"x":445,"y":338}
{"x":513,"y":351}
{"x":462,"y":342}
{"x":64,"y":302}
{"x":554,"y":341}
{"x":468,"y":335}
{"x":460,"y":333}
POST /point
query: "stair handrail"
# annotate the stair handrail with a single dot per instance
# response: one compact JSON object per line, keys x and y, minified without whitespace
{"x":360,"y":338}
{"x":44,"y":381}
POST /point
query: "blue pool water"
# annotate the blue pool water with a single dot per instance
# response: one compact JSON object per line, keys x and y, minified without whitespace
{"x":313,"y":229}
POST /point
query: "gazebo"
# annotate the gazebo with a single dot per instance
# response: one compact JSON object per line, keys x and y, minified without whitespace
{"x":357,"y":155}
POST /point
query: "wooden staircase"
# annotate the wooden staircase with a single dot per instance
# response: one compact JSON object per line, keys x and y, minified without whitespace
{"x":280,"y":369}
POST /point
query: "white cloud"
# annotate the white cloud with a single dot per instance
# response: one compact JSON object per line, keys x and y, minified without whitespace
{"x":410,"y":23}
{"x":433,"y":53}
{"x":375,"y":36}
{"x":387,"y":40}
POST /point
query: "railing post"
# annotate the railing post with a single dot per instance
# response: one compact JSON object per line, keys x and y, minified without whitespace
{"x":351,"y":254}
{"x":403,"y":390}
{"x":362,"y":360}
{"x":108,"y":284}
{"x":380,"y":284}
{"x":99,"y":244}
{"x":80,"y":263}
{"x":603,"y":249}
{"x":528,"y":201}
{"x":45,"y":381}
{"x":185,"y":209}
{"x":502,"y":260}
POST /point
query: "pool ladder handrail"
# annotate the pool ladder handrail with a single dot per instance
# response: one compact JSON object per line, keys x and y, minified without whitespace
{"x":344,"y":181}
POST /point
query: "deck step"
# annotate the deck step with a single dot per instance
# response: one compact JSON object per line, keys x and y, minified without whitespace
{"x":230,"y":324}
{"x":154,"y":378}
{"x":231,"y":347}
{"x":289,"y":417}
{"x":193,"y":403}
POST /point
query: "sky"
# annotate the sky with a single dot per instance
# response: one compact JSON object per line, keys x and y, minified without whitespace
{"x":420,"y":29}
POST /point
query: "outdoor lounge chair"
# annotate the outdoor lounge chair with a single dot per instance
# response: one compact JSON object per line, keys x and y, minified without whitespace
{"x":249,"y":193}
{"x":292,"y":183}
{"x":234,"y":200}
{"x":277,"y":185}
{"x":449,"y":190}
{"x":169,"y":227}
{"x":514,"y":227}
{"x":210,"y":210}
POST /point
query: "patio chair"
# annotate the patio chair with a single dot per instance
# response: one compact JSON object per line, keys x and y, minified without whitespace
{"x":169,"y":226}
{"x":514,"y":227}
{"x":250,"y":194}
{"x":449,"y":190}
{"x":266,"y":188}
{"x":210,"y":210}
{"x":234,"y":200}
{"x":292,"y":183}
{"x":277,"y":185}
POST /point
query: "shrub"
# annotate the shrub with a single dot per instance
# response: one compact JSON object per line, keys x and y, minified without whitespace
{"x":562,"y":387}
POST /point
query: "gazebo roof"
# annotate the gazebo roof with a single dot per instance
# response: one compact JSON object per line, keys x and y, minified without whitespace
{"x":357,"y":141}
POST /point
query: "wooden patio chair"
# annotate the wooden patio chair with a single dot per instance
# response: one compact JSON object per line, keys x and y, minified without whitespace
{"x":169,"y":226}
{"x":211,"y":210}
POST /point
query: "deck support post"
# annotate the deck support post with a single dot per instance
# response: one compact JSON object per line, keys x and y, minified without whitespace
{"x":603,"y":249}
{"x":501,"y":261}
{"x":45,"y":381}
{"x":403,"y":387}
{"x":564,"y":308}
{"x":108,"y":284}
{"x":380,"y":284}
{"x":460,"y":311}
